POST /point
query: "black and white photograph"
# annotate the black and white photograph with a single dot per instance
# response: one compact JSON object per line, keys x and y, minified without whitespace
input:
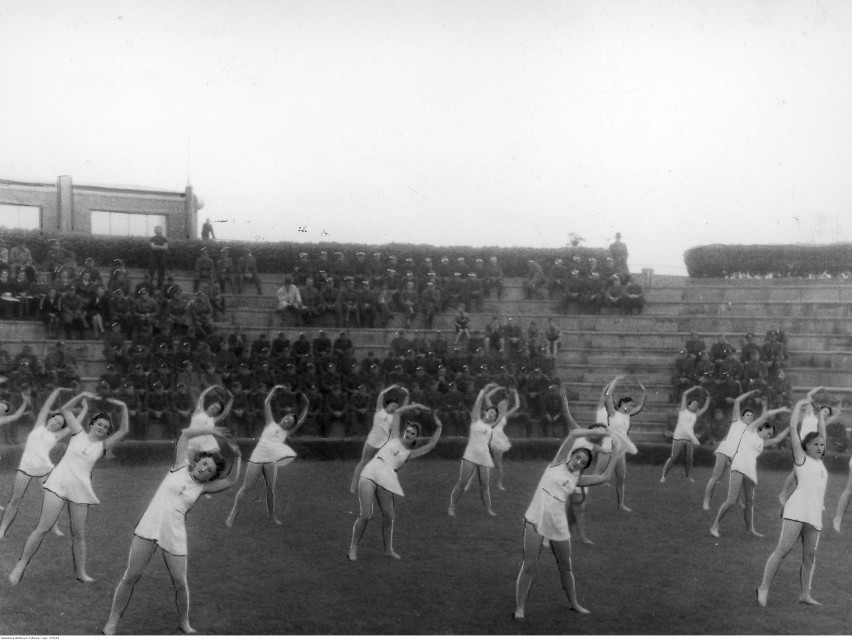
{"x":425,"y":317}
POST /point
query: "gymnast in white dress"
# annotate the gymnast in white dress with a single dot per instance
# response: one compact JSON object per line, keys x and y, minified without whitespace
{"x":163,"y":525}
{"x":758,"y":434}
{"x":270,"y":453}
{"x":379,"y":483}
{"x":49,"y":429}
{"x":477,"y":454}
{"x":385,"y":426}
{"x":802,"y":517}
{"x":684,"y":438}
{"x":728,"y":447}
{"x":70,"y":483}
{"x":619,"y":413}
{"x":546,"y":516}
{"x":500,"y":443}
{"x":811,"y":420}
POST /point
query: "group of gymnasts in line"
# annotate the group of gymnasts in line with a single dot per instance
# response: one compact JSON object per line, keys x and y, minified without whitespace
{"x":746,"y":439}
{"x":207,"y":461}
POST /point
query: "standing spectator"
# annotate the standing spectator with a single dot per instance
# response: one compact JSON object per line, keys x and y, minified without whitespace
{"x":158,"y":256}
{"x":207,"y":230}
{"x":493,"y":277}
{"x":618,"y":251}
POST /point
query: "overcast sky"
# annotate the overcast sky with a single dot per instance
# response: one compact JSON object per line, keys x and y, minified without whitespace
{"x":475,"y":122}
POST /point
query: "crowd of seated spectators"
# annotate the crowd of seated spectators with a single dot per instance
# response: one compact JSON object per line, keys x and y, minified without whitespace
{"x":160,"y":376}
{"x":585,"y":287}
{"x":726,"y":372}
{"x":370,"y":292}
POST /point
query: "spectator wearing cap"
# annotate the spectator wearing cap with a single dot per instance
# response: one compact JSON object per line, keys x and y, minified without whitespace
{"x":136,"y":411}
{"x":360,"y":404}
{"x":90,"y":269}
{"x":303,"y":269}
{"x":368,"y":304}
{"x":204,"y":269}
{"x":461,"y":322}
{"x":557,"y":279}
{"x":145,"y":313}
{"x":189,"y":376}
{"x":535,"y":280}
{"x":60,"y":261}
{"x":312,"y":303}
{"x":553,"y":424}
{"x":247,"y":272}
{"x":335,"y":412}
{"x":323,"y":264}
{"x":473,"y":292}
{"x":118,"y":277}
{"x":240,"y":417}
{"x":113,"y":350}
{"x":290,"y":307}
{"x":21,"y":258}
{"x":321,"y":346}
{"x":26,"y":292}
{"x":343,"y":347}
{"x":73,"y":309}
{"x":430,"y":303}
{"x":97,"y":311}
{"x":200,"y":313}
{"x":409,"y":302}
{"x":121,"y":311}
{"x":634,"y":298}
{"x":302,"y":350}
{"x":158,"y":255}
{"x":494,"y":277}
{"x":225,"y":269}
{"x":591,"y":296}
{"x":512,"y":340}
{"x":452,"y":291}
{"x":347,"y":305}
{"x":385,"y":302}
{"x":176,"y":315}
{"x":339,"y":267}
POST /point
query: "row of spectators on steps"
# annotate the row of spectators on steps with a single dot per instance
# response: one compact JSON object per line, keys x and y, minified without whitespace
{"x":160,"y":379}
{"x":584,"y":287}
{"x":725,"y":372}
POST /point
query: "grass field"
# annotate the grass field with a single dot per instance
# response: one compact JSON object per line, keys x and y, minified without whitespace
{"x":654,"y":571}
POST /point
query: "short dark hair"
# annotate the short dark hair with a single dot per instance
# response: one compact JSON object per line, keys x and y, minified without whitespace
{"x":588,"y":455}
{"x":623,"y":400}
{"x":813,"y":435}
{"x":105,"y":416}
{"x":217,"y":458}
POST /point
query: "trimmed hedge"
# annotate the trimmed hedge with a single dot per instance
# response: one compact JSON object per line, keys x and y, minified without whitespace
{"x":278,"y":257}
{"x":790,"y":261}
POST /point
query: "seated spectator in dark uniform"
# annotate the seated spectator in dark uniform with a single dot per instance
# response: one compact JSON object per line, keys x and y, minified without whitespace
{"x":182,"y":406}
{"x":73,"y":309}
{"x":591,"y":297}
{"x":755,"y":374}
{"x":409,"y":302}
{"x":226,"y":270}
{"x":247,"y":271}
{"x":512,"y":340}
{"x":731,"y":365}
{"x":613,"y":296}
{"x":303,"y":269}
{"x":461,"y":321}
{"x":780,"y":390}
{"x":430,"y":303}
{"x":321,"y":346}
{"x":368,"y":304}
{"x":719,"y":350}
{"x":313,"y":306}
{"x":634,"y":298}
{"x":772,"y":353}
{"x":343,"y":346}
{"x":20,"y":258}
{"x":552,"y":419}
{"x":205,"y":269}
{"x":535,"y":279}
{"x":557,"y":279}
{"x":301,"y":349}
{"x":694,"y":345}
{"x":704,"y":369}
{"x":493,"y":277}
{"x":240,"y":416}
{"x":347,"y":305}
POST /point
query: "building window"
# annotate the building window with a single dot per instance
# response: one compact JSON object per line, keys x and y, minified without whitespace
{"x":19,"y":216}
{"x":115,"y":223}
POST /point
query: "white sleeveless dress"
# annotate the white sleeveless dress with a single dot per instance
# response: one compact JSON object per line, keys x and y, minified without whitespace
{"x":384,"y":465}
{"x":547,"y":509}
{"x":164,"y":521}
{"x":71,"y":479}
{"x":272,"y":447}
{"x":806,"y":503}
{"x":35,"y":460}
{"x":477,"y":450}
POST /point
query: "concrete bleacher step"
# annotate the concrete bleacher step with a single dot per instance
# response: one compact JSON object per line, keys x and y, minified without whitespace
{"x":767,"y":290}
